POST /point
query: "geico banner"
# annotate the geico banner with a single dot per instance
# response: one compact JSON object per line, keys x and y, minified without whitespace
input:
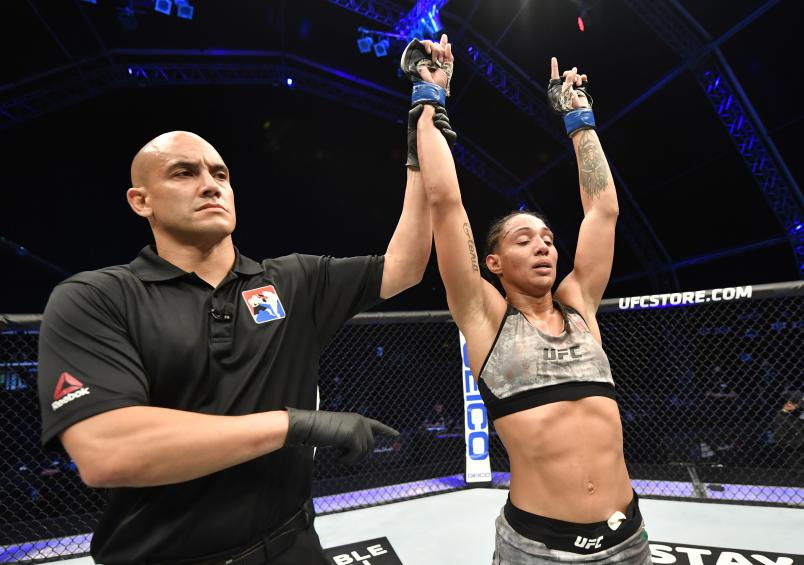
{"x":665,"y":553}
{"x":476,"y":425}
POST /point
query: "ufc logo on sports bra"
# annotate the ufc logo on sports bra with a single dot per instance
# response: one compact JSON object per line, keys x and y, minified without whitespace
{"x":585,"y":543}
{"x":551,"y":354}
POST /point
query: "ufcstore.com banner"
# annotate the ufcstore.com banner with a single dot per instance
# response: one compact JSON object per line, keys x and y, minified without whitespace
{"x":684,"y":298}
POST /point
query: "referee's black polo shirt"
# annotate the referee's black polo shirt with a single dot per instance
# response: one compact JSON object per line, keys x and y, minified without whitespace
{"x":151,"y":334}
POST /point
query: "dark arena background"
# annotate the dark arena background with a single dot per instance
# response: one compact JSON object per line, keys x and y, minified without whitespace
{"x":697,"y":111}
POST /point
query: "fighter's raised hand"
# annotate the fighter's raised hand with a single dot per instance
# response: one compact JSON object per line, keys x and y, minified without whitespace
{"x":439,"y":69}
{"x":429,"y":66}
{"x":428,"y":61}
{"x":568,"y":90}
{"x":569,"y":98}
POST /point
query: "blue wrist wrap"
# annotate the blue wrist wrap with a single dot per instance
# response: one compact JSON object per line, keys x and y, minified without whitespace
{"x":428,"y":93}
{"x":580,"y":118}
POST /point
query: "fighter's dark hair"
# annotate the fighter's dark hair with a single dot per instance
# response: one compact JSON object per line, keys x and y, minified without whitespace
{"x":496,"y":228}
{"x":493,"y":236}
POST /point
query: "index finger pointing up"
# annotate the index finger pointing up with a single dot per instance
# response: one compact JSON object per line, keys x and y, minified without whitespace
{"x":554,"y":68}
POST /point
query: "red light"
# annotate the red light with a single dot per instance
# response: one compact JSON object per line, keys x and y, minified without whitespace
{"x":580,"y":24}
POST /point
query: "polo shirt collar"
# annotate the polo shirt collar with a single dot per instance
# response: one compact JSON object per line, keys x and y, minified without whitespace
{"x":148,"y":266}
{"x":245,"y":266}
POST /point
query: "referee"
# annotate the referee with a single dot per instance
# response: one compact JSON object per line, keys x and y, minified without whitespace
{"x":185,"y":381}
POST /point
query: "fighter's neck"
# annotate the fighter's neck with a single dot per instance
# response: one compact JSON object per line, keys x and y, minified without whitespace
{"x":539,"y":311}
{"x":537,"y":307}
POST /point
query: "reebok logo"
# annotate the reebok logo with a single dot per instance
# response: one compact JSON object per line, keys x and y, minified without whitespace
{"x":585,"y":543}
{"x":67,"y":384}
{"x":67,"y":389}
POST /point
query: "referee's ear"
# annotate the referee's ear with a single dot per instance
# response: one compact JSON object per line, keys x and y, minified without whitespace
{"x":137,"y":197}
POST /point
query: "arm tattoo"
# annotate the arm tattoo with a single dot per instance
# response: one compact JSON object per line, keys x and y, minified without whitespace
{"x":472,"y":253}
{"x":592,"y":167}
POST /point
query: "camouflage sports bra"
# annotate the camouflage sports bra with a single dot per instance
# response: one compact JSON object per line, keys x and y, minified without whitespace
{"x":527,"y":367}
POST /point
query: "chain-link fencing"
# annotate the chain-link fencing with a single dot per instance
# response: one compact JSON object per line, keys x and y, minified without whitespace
{"x":710,"y":394}
{"x":45,"y":509}
{"x":709,"y":387}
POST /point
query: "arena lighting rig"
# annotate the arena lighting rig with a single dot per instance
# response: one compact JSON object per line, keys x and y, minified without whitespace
{"x":422,"y":22}
{"x":129,"y":8}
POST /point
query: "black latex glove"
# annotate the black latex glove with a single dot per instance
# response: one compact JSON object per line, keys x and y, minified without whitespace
{"x":351,"y":432}
{"x":441,"y":121}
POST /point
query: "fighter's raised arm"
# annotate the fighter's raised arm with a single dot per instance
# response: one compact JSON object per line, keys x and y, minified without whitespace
{"x":410,"y":245}
{"x":583,"y":288}
{"x":474,"y":303}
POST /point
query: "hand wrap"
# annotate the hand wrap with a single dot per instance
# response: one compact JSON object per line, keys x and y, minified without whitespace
{"x":575,"y":119}
{"x":414,"y":57}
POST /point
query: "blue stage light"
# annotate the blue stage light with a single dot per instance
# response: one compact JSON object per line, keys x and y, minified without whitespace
{"x":432,"y":23}
{"x":422,"y":20}
{"x":289,"y":81}
{"x":185,"y":11}
{"x":364,"y":44}
{"x":381,"y":48}
{"x":163,"y":6}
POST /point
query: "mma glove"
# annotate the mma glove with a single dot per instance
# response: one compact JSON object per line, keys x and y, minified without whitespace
{"x":560,"y":99}
{"x":413,"y":57}
{"x":352,"y":433}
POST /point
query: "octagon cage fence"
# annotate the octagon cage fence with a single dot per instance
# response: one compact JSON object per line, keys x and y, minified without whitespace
{"x":709,"y":386}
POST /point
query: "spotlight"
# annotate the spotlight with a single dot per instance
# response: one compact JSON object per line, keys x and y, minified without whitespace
{"x":163,"y":6}
{"x":289,"y":81}
{"x":184,"y":10}
{"x":381,"y":48}
{"x":364,"y":44}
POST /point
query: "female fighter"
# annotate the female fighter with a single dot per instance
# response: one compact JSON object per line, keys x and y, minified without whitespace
{"x":536,"y":351}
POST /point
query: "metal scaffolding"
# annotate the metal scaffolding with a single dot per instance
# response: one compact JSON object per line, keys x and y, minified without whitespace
{"x":690,"y":41}
{"x":273,"y":69}
{"x":531,"y":99}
